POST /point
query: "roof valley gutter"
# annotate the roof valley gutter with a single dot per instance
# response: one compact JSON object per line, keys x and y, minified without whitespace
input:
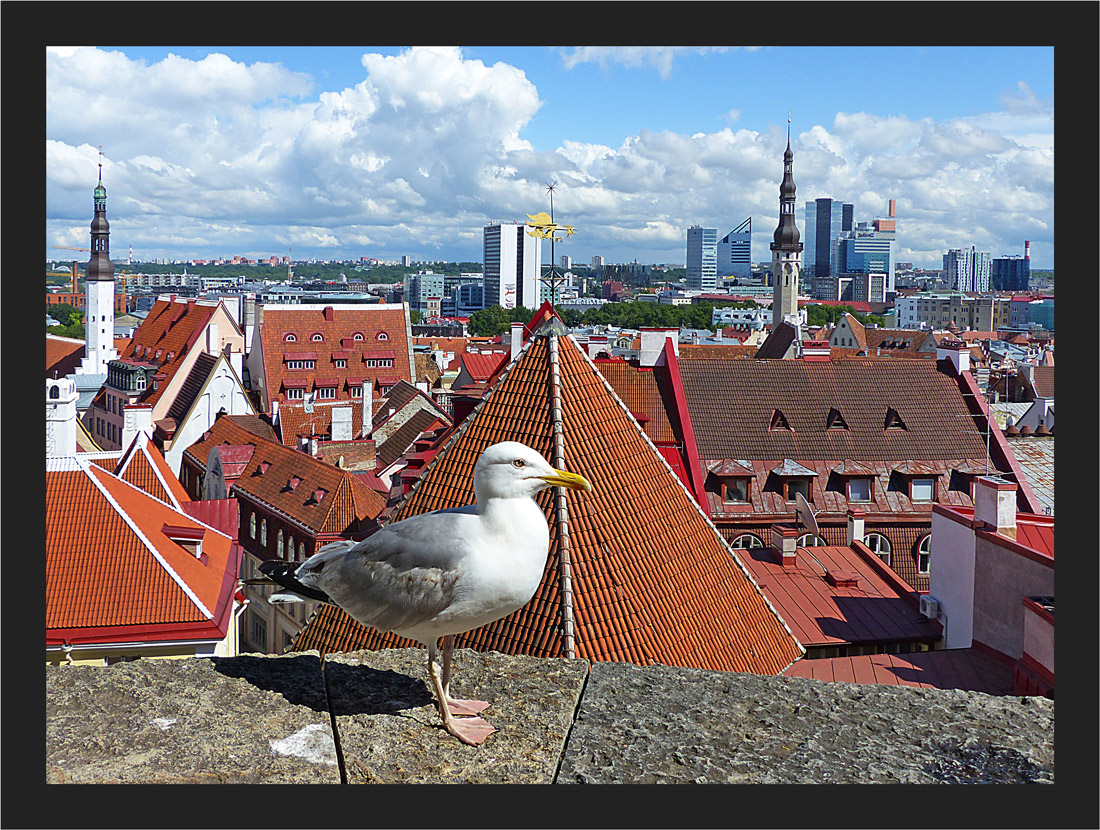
{"x":561,"y":500}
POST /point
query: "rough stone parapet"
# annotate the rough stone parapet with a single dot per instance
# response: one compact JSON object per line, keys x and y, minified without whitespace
{"x":369,"y":717}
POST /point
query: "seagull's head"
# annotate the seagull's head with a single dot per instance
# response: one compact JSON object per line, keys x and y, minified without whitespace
{"x":513,"y":470}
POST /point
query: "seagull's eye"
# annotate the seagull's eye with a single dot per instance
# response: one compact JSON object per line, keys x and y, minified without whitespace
{"x":519,"y":462}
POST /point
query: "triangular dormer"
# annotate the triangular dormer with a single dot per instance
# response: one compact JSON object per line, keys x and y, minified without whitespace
{"x":835,"y":420}
{"x":779,"y":421}
{"x":893,"y":420}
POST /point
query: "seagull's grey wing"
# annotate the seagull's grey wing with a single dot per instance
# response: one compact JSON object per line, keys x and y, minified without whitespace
{"x":398,"y":578}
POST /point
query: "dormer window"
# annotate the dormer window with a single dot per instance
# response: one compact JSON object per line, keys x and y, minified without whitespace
{"x":293,"y":483}
{"x":290,"y":337}
{"x":778,"y":421}
{"x":792,"y":487}
{"x":859,"y":489}
{"x":922,"y":489}
{"x":357,"y":336}
{"x":317,"y":337}
{"x":340,"y":362}
{"x":736,"y":490}
{"x":893,"y":420}
{"x":382,"y":336}
{"x":317,"y":496}
{"x":835,"y":420}
{"x":263,"y":467}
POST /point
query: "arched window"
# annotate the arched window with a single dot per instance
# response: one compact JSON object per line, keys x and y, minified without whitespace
{"x":302,"y":550}
{"x":808,"y":540}
{"x":357,"y":336}
{"x":879,"y":545}
{"x":382,"y":336}
{"x":746,"y":541}
{"x":252,"y":525}
{"x":263,"y":533}
{"x":317,"y":337}
{"x":924,"y":554}
{"x":55,"y":391}
{"x":290,"y":548}
{"x":279,"y":544}
{"x":291,"y":337}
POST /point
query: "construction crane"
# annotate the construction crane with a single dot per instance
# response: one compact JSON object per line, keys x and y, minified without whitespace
{"x":74,"y":272}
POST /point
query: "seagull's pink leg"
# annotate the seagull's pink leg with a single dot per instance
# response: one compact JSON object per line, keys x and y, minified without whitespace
{"x":457,"y":705}
{"x":472,"y":731}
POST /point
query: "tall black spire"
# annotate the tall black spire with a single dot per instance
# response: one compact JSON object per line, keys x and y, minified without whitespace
{"x":786,"y":234}
{"x":99,"y":265}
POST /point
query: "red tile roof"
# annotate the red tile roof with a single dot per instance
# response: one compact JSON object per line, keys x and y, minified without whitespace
{"x":383,"y":332}
{"x":326,"y":499}
{"x":165,"y":337}
{"x":143,"y":465}
{"x":821,"y":614}
{"x":63,"y":355}
{"x":295,"y":422}
{"x":964,"y":669}
{"x":640,"y":389}
{"x":652,"y":580}
{"x":112,"y":572}
{"x":229,"y":431}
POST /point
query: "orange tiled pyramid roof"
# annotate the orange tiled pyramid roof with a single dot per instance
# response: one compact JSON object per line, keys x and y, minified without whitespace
{"x":143,"y":466}
{"x":650,"y":580}
{"x":113,"y":572}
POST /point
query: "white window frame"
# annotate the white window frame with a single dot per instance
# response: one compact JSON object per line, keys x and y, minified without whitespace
{"x":860,"y":480}
{"x":924,"y":550}
{"x":931,"y":482}
{"x":882,"y":549}
{"x":745,"y":541}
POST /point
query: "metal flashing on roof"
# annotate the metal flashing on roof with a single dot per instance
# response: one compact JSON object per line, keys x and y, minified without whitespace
{"x":792,"y":468}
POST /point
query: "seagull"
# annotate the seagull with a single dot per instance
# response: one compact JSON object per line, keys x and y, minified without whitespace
{"x":443,"y":573}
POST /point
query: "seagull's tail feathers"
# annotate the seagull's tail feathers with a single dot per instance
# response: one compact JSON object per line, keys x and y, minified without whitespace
{"x":283,"y":573}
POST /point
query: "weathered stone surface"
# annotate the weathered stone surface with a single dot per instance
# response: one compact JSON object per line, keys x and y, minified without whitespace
{"x":218,"y":720}
{"x":391,"y":732}
{"x":672,"y":725}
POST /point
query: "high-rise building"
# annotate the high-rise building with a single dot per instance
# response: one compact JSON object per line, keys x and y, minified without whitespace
{"x":424,"y":293}
{"x":735,"y":252}
{"x":786,"y":249}
{"x":702,"y":258}
{"x":512,"y":264}
{"x":826,"y":222}
{"x":1012,"y":273}
{"x":967,"y":270}
{"x":99,"y":288}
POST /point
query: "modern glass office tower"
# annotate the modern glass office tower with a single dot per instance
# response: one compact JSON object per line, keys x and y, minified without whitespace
{"x":826,"y":221}
{"x":967,"y":270}
{"x":1011,"y":274}
{"x":702,"y":258}
{"x":512,"y":259}
{"x":735,"y":252}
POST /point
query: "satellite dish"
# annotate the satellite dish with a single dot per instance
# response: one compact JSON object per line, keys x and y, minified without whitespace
{"x":308,"y":405}
{"x":806,"y":514}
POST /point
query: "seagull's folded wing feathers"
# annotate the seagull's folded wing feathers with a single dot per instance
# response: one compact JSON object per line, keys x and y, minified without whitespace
{"x":399,"y":577}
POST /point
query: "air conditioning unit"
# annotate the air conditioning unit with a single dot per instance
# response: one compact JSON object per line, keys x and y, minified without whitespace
{"x":930,"y":607}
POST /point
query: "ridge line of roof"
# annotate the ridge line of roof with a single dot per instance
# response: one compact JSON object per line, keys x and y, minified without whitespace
{"x":87,"y":467}
{"x":564,"y":549}
{"x":706,"y":518}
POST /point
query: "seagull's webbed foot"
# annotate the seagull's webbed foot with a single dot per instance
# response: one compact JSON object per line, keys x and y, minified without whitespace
{"x":457,"y":706}
{"x":472,"y":730}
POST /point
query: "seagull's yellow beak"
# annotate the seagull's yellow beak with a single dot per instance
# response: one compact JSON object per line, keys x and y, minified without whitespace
{"x":561,"y":478}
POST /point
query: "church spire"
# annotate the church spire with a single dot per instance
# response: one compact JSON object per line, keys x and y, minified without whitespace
{"x":99,"y":265}
{"x":786,"y":234}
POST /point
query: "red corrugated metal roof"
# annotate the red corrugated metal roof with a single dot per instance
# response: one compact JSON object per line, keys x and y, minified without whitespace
{"x":964,"y":669}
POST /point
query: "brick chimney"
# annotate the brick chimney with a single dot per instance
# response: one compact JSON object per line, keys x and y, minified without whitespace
{"x":995,"y":505}
{"x":785,"y":544}
{"x":856,"y":518}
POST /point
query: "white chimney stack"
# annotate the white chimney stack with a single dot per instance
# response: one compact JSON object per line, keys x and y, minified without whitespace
{"x":212,"y":343}
{"x":957,"y":352}
{"x":995,"y":504}
{"x":653,"y":343}
{"x":856,"y":519}
{"x":517,"y":339}
{"x":368,"y":406}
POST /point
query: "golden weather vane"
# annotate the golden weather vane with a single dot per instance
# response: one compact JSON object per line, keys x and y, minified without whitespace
{"x":542,"y":224}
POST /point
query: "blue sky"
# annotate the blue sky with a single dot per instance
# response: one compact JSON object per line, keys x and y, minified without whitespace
{"x":382,"y":151}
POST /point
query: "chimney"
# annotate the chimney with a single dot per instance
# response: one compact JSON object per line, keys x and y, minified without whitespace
{"x":785,"y":543}
{"x":212,"y":343}
{"x":368,"y":407}
{"x":815,"y":350}
{"x":955,"y":351}
{"x":653,"y":343}
{"x":313,"y":445}
{"x":517,"y":339}
{"x":329,"y":314}
{"x":1027,"y":249}
{"x":995,"y":505}
{"x":856,"y":518}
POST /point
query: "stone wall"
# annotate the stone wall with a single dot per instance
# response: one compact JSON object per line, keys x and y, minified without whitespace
{"x":369,"y":717}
